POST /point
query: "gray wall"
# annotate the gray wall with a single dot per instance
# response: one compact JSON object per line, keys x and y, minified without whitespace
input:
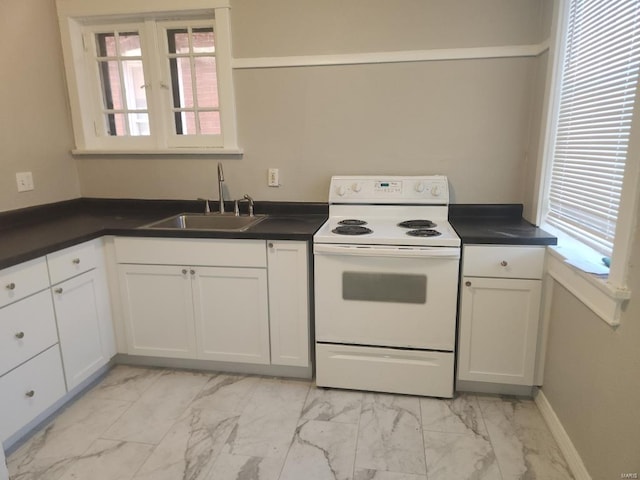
{"x":35,"y":126}
{"x":592,"y":379}
{"x":467,"y":119}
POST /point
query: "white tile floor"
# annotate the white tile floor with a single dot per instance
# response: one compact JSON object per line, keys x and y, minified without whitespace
{"x":158,"y":424}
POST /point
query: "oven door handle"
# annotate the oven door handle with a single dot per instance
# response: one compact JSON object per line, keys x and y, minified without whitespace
{"x":386,"y":251}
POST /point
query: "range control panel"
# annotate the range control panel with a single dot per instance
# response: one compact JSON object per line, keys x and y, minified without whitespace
{"x":430,"y":190}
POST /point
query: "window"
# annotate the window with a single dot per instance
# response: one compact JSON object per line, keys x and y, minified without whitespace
{"x":597,"y":94}
{"x":591,"y":171}
{"x":149,"y":81}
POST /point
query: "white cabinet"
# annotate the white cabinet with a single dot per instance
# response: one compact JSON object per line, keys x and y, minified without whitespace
{"x":499,"y":313}
{"x":289,"y":302}
{"x":29,"y":390}
{"x":231,"y":314}
{"x":81,"y":302}
{"x":195,"y":298}
{"x":31,"y":378}
{"x":157,"y":310}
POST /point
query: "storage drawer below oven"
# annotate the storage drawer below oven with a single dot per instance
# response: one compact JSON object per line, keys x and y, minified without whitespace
{"x":413,"y":372}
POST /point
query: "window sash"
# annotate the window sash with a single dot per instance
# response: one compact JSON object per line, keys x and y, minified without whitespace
{"x":155,"y":59}
{"x":597,"y":94}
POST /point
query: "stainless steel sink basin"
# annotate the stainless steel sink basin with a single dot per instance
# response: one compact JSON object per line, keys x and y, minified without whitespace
{"x":207,"y":221}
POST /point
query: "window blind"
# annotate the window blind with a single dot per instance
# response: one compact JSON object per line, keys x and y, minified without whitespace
{"x":597,"y":93}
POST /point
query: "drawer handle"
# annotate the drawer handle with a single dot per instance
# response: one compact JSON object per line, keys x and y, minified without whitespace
{"x":58,"y":290}
{"x":468,"y":284}
{"x":184,"y":271}
{"x":30,"y":393}
{"x":270,"y":245}
{"x":11,"y":286}
{"x":20,"y":335}
{"x":504,"y":263}
{"x":192,"y":271}
{"x":76,"y":261}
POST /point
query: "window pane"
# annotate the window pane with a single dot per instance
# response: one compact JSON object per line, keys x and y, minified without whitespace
{"x":139,"y":124}
{"x":209,"y":123}
{"x":111,"y":91}
{"x":134,"y":84}
{"x":203,"y":40}
{"x":206,"y":82}
{"x":116,"y":124}
{"x":106,"y":44}
{"x":187,"y":123}
{"x":178,"y":40}
{"x":181,"y":83}
{"x":129,"y":44}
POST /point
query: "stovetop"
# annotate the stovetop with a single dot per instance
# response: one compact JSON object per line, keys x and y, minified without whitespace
{"x":385,"y":231}
{"x":374,"y":207}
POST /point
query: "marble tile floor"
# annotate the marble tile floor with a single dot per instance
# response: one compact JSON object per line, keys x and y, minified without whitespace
{"x":157,"y":424}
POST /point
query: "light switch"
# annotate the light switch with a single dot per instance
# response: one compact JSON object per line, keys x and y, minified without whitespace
{"x":24,"y":181}
{"x":273,"y":177}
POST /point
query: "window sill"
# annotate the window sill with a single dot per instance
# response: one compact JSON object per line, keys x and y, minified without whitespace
{"x":604,"y":299}
{"x":168,"y":151}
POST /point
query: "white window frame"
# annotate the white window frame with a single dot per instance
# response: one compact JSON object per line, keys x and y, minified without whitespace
{"x":604,"y":296}
{"x":79,"y":17}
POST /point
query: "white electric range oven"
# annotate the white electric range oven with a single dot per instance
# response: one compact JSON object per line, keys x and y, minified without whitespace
{"x":386,"y":282}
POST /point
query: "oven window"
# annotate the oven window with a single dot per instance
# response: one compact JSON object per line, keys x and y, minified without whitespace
{"x":384,"y":287}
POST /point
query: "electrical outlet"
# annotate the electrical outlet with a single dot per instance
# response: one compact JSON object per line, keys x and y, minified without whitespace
{"x":24,"y":181}
{"x":273,"y":179}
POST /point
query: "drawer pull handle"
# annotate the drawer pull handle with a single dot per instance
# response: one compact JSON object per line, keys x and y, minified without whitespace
{"x":58,"y":290}
{"x":20,"y":335}
{"x":30,"y":393}
{"x":184,"y":271}
{"x":11,"y":286}
{"x":76,"y":261}
{"x":468,"y":284}
{"x":504,"y":263}
{"x":192,"y":271}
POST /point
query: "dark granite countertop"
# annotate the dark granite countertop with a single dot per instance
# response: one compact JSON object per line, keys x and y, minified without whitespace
{"x":496,"y":224}
{"x":32,"y":232}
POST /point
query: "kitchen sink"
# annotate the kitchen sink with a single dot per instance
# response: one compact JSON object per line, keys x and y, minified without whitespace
{"x":207,"y":221}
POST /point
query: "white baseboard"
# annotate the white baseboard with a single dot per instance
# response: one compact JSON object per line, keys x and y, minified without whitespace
{"x":565,"y":444}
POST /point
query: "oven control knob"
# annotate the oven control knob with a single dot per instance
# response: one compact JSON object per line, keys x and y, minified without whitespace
{"x":420,"y":187}
{"x":356,"y":187}
{"x":436,"y":191}
{"x":340,"y":190}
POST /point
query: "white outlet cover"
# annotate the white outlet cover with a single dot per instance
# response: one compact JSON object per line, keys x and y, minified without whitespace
{"x":24,"y":181}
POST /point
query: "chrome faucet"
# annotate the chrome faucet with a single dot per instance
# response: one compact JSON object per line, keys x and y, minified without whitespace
{"x":220,"y":181}
{"x":250,"y":200}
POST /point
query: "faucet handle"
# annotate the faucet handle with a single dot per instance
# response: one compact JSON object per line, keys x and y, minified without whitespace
{"x":250,"y":200}
{"x":236,"y":209}
{"x":206,"y":204}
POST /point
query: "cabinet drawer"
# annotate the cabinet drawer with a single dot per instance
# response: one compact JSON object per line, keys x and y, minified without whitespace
{"x":29,"y":390}
{"x":27,"y":328}
{"x":384,"y":369}
{"x":194,"y":251}
{"x":503,"y":261}
{"x":72,"y":261}
{"x":23,"y":280}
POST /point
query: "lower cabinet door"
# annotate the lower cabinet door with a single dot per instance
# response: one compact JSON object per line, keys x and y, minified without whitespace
{"x":29,"y":390}
{"x":288,"y":302}
{"x":157,"y":310}
{"x":80,"y":310}
{"x":231,"y":312}
{"x":498,"y":330}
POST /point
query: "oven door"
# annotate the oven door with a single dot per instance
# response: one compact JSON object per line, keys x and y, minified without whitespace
{"x":386,"y":295}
